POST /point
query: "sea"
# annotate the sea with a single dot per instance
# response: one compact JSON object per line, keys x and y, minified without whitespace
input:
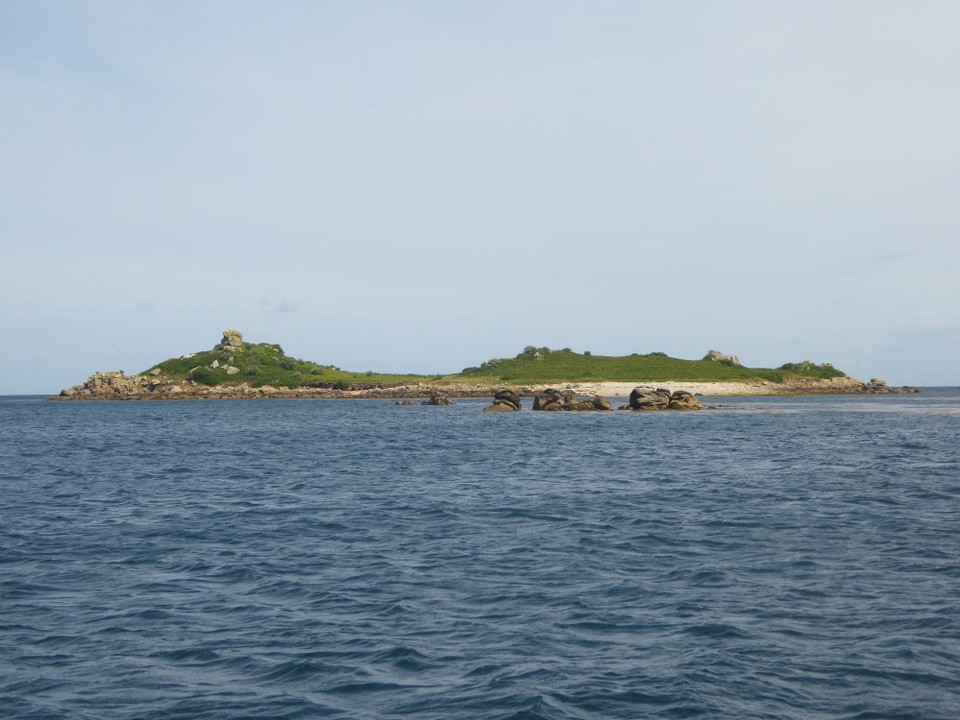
{"x":774,"y":557}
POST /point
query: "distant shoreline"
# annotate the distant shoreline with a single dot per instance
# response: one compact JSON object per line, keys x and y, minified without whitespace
{"x":234,"y":369}
{"x":116,"y":386}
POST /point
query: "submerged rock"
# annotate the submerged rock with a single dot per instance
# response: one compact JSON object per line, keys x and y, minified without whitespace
{"x":437,"y":399}
{"x":501,"y":407}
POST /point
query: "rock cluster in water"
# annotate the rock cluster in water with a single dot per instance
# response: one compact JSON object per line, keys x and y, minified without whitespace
{"x":553,"y":400}
{"x":648,"y":398}
{"x":880,"y":387}
{"x":505,"y":400}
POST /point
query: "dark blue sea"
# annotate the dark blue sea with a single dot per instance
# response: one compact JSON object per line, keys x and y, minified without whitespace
{"x":773,"y":558}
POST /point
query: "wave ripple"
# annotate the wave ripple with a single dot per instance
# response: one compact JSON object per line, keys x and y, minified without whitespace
{"x":778,"y":558}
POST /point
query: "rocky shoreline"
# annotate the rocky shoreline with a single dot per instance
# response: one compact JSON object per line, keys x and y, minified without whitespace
{"x":117,"y":385}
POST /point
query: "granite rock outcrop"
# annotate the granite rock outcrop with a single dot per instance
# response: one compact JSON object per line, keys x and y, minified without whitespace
{"x":552,"y":400}
{"x":647,"y":398}
{"x":505,"y":400}
{"x":718,"y":356}
{"x":232,"y":340}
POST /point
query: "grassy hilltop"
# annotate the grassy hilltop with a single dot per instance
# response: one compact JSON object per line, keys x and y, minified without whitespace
{"x":543,"y":365}
{"x":258,"y":364}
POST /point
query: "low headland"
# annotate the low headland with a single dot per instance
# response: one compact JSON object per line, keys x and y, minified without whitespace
{"x":235,"y":369}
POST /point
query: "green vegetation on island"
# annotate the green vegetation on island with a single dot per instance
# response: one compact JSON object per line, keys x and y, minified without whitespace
{"x":237,"y":369}
{"x":233,"y":361}
{"x":543,"y":365}
{"x":261,"y":364}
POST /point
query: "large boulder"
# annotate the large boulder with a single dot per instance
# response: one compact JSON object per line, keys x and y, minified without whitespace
{"x":549,"y":400}
{"x":437,"y":399}
{"x":601,"y":403}
{"x":579,"y":406}
{"x":508,"y":396}
{"x":647,"y":398}
{"x":505,"y":400}
{"x":682,"y":400}
{"x":232,"y":340}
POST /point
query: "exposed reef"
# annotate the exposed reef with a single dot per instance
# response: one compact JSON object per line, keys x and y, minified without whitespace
{"x":551,"y":400}
{"x":839,"y":386}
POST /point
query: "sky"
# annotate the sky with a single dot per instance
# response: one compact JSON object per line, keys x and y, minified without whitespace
{"x":421,"y":186}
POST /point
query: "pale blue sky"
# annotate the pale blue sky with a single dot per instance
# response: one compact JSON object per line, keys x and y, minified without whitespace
{"x":420,"y":186}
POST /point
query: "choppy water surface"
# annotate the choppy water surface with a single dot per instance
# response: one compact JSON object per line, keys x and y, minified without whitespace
{"x":779,"y":558}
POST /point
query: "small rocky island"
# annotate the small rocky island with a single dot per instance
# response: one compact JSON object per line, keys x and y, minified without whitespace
{"x":235,"y":369}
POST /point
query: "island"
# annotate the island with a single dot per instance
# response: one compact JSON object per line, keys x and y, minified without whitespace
{"x":236,"y":369}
